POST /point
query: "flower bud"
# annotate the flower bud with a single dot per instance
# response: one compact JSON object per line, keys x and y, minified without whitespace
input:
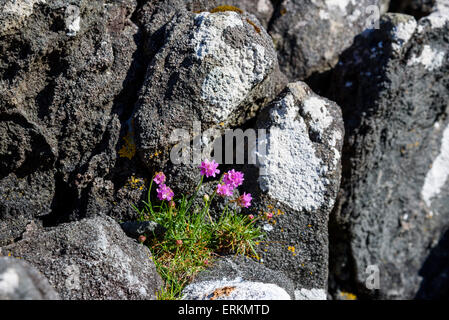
{"x":142,"y":239}
{"x":206,"y":198}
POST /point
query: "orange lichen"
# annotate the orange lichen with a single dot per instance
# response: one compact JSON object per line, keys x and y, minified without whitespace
{"x":128,"y":150}
{"x":348,"y":296}
{"x":226,"y":291}
{"x":254,"y":25}
{"x":226,"y":8}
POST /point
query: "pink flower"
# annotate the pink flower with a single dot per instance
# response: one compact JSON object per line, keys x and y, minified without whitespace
{"x":209,"y":168}
{"x":251,"y":217}
{"x":233,"y":178}
{"x":159,"y":178}
{"x":225,"y":190}
{"x":164,"y":193}
{"x":269,"y":215}
{"x":245,"y":200}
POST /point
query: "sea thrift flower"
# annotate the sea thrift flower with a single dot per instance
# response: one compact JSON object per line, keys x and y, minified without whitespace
{"x":164,"y":193}
{"x":209,"y":168}
{"x":224,"y":190}
{"x":159,"y":178}
{"x":233,"y":178}
{"x":245,"y":200}
{"x":251,"y":217}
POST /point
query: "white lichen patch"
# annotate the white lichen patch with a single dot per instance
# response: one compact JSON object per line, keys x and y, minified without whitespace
{"x":238,"y":289}
{"x":430,"y":58}
{"x":263,"y":6}
{"x":293,"y":173}
{"x":438,"y":17}
{"x":438,"y":175}
{"x":316,"y":108}
{"x":310,"y":294}
{"x":21,"y":8}
{"x":72,"y":20}
{"x":324,"y":15}
{"x":340,"y":4}
{"x":402,"y":33}
{"x":9,"y":282}
{"x":238,"y":70}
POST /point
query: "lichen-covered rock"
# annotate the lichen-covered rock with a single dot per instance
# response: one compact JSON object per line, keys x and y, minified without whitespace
{"x":154,"y":14}
{"x":309,"y":36}
{"x":298,"y":177}
{"x":215,"y":69}
{"x":392,"y":85}
{"x":239,"y":278}
{"x":90,"y":259}
{"x":67,"y":72}
{"x":20,"y":281}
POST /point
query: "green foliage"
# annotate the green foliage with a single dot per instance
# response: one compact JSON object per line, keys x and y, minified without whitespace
{"x":193,"y":240}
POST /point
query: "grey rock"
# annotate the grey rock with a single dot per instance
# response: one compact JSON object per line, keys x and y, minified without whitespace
{"x":216,"y":69}
{"x":154,"y":14}
{"x":20,"y":281}
{"x":297,"y":180}
{"x":135,"y":229}
{"x":90,"y":259}
{"x":309,"y":36}
{"x":69,"y":73}
{"x":392,"y":85}
{"x":239,"y":278}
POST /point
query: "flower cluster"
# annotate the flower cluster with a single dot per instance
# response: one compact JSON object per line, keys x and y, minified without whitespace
{"x":209,"y":168}
{"x":163,"y":192}
{"x":230,"y":181}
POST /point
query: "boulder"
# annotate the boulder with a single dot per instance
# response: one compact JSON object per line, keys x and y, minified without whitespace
{"x":67,"y":71}
{"x":296,"y":180}
{"x":214,"y":70}
{"x":20,"y":281}
{"x":392,"y":85}
{"x":91,"y":259}
{"x":239,"y":278}
{"x":154,"y":14}
{"x":309,"y":36}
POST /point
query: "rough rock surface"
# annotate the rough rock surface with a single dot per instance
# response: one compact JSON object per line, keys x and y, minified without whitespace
{"x":20,"y":281}
{"x":298,"y":177}
{"x":310,"y":35}
{"x":393,"y":87}
{"x":154,"y":14}
{"x":90,"y":259}
{"x":65,"y":80}
{"x":215,"y":69}
{"x":239,"y":278}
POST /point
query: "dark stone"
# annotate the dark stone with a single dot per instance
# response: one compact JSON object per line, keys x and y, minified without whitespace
{"x":20,"y":281}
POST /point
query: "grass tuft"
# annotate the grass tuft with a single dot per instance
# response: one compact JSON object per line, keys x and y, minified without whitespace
{"x":193,"y":240}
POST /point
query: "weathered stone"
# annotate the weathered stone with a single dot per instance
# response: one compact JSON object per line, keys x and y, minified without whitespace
{"x":392,"y":85}
{"x":239,"y":278}
{"x":67,"y":71}
{"x":297,"y":181}
{"x":309,"y":36}
{"x":20,"y":281}
{"x":90,"y":259}
{"x":154,"y":14}
{"x":135,"y":229}
{"x":214,"y":69}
